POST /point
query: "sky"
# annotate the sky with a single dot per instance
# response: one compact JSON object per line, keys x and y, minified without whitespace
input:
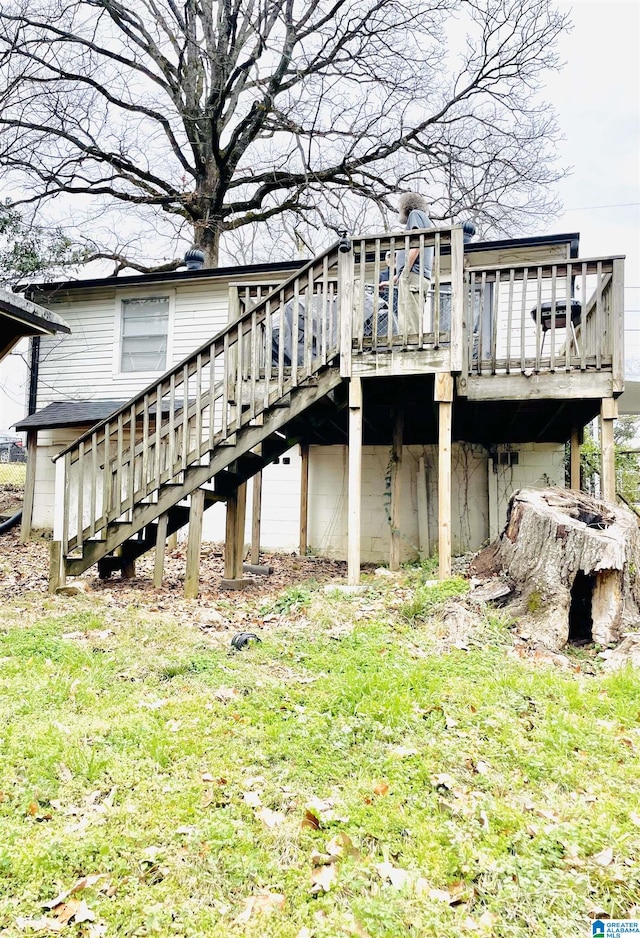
{"x":597,"y":100}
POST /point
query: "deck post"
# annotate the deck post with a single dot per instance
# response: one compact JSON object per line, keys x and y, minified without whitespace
{"x":230,"y":536}
{"x":256,"y":516}
{"x":57,"y":573}
{"x":355,"y":481}
{"x":396,"y":489}
{"x":346,"y":268}
{"x":304,"y":498}
{"x":161,"y":538}
{"x":617,"y":325}
{"x":194,"y":542}
{"x":574,"y":459}
{"x":56,"y":566}
{"x":444,"y":397}
{"x":457,"y":298}
{"x":241,"y":515}
{"x":29,"y":486}
{"x":608,"y":413}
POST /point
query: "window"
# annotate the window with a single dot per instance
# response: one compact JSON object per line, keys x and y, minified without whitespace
{"x":145,"y":328}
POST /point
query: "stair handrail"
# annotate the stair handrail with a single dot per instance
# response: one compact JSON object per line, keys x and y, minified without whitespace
{"x":230,"y":327}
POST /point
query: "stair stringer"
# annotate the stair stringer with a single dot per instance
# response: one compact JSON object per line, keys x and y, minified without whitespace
{"x":169,"y":494}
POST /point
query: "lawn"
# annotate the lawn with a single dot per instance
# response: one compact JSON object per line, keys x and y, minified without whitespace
{"x":353,"y":773}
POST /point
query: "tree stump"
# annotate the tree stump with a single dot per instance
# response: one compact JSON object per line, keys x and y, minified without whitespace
{"x":572,"y":562}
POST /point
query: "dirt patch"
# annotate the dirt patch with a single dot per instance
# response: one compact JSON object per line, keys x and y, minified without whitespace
{"x":25,"y":567}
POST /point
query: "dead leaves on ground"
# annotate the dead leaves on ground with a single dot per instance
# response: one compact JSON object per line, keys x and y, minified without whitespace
{"x":67,"y":909}
{"x":264,"y":903}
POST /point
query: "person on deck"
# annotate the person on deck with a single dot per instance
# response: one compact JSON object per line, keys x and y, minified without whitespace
{"x":412,"y":278}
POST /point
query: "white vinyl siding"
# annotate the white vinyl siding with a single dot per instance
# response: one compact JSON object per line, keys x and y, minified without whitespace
{"x":144,"y":336}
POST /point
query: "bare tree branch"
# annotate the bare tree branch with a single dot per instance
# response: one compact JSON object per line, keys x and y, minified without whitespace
{"x":226,"y":114}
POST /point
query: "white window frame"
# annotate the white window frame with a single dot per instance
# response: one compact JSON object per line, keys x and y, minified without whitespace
{"x":141,"y":294}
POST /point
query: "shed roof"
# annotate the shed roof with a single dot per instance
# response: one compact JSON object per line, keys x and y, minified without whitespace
{"x":78,"y":414}
{"x":20,"y":317}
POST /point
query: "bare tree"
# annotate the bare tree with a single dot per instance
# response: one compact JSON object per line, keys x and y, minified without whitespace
{"x":219,"y":115}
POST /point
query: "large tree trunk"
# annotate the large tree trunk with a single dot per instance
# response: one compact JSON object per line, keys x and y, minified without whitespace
{"x":572,"y":563}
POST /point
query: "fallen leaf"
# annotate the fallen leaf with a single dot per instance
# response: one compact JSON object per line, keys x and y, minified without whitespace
{"x":67,"y":910}
{"x":488,"y":919}
{"x":304,"y":932}
{"x":354,"y":927}
{"x":310,"y":820}
{"x":635,"y":818}
{"x":442,"y":780}
{"x":39,"y":924}
{"x":402,"y":752}
{"x":207,"y":777}
{"x":85,"y":882}
{"x":227,"y":693}
{"x":252,"y":798}
{"x":270,"y":818}
{"x":341,"y":846}
{"x":394,"y":874}
{"x":382,"y":788}
{"x":439,"y":895}
{"x":317,"y":812}
{"x":323,"y":878}
{"x":604,"y":858}
{"x":265,"y":903}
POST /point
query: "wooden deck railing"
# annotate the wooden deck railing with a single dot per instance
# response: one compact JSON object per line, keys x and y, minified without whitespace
{"x":545,"y":318}
{"x":281,"y":339}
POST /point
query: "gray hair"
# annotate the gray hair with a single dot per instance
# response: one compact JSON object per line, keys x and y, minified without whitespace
{"x":408,"y":202}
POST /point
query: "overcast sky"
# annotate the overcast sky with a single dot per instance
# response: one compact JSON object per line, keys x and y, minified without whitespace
{"x":597,"y":97}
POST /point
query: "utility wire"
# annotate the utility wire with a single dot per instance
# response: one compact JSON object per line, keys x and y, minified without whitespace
{"x":590,"y":208}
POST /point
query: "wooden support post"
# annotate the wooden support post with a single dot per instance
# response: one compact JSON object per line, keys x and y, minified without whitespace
{"x":423,"y":509}
{"x":457,"y":299}
{"x":396,"y":483}
{"x":355,"y":481}
{"x":256,"y":515}
{"x":161,"y":538}
{"x":574,"y":459}
{"x":230,"y":537}
{"x":172,"y":541}
{"x":304,"y":497}
{"x":345,"y":308}
{"x":444,"y":397}
{"x":617,"y":328}
{"x":29,"y":486}
{"x":57,"y":571}
{"x":56,"y":567}
{"x":241,"y":515}
{"x":194,"y":542}
{"x":608,"y":413}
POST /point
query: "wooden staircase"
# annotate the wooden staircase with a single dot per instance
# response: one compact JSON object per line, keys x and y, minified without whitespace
{"x":211,"y":423}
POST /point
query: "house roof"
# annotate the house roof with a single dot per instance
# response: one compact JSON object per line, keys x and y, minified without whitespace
{"x":20,"y":317}
{"x":78,"y":413}
{"x":174,"y":276}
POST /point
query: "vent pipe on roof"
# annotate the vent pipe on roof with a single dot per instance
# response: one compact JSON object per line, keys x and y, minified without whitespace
{"x":468,"y":231}
{"x":194,"y":259}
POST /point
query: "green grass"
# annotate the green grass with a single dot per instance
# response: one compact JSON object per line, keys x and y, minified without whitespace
{"x":128,"y":752}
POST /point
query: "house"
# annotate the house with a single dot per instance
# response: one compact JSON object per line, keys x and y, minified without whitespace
{"x":410,"y":441}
